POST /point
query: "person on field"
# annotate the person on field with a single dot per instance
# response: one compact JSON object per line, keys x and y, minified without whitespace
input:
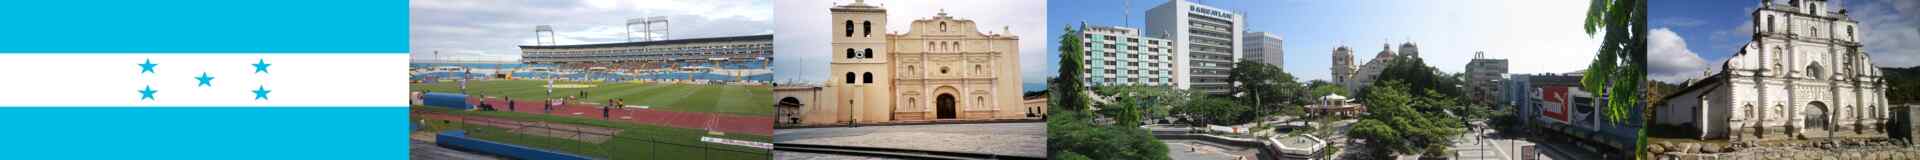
{"x":605,"y":109}
{"x":510,"y":104}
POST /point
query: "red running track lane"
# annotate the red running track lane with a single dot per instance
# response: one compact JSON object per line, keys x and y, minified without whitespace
{"x":695,"y":120}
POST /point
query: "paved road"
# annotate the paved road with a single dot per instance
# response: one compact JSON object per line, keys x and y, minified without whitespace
{"x":1481,"y":145}
{"x":1018,"y":139}
{"x":785,"y":155}
{"x":1203,"y":150}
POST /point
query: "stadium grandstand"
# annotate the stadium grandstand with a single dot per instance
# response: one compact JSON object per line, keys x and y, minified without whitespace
{"x":733,"y":59}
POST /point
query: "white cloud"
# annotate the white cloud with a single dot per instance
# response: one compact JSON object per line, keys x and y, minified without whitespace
{"x":1889,"y":31}
{"x":1668,"y":57}
{"x":493,"y":29}
{"x":801,"y":43}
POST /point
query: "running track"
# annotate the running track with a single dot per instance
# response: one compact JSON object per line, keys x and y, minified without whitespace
{"x":709,"y":121}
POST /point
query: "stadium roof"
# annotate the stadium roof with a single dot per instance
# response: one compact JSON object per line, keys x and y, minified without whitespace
{"x":767,"y":37}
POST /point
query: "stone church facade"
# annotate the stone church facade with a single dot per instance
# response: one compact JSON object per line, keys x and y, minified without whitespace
{"x":1804,"y":75}
{"x":942,"y":68}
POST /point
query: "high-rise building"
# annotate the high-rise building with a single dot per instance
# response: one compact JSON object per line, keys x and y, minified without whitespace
{"x":1209,"y":39}
{"x":1120,"y":56}
{"x":1483,"y":78}
{"x":1264,"y":47}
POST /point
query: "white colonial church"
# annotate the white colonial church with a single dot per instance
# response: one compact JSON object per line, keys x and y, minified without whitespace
{"x":1804,"y":75}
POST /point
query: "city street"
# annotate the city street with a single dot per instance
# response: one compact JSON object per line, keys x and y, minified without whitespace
{"x":1484,"y":145}
{"x":1017,"y":139}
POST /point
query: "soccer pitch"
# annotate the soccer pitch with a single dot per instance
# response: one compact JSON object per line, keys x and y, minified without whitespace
{"x":711,"y":98}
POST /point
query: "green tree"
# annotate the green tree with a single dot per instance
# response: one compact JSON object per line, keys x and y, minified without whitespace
{"x":1068,"y":87}
{"x":1265,"y":87}
{"x":1324,"y":90}
{"x":1215,"y":110}
{"x":1377,"y":134}
{"x":1621,"y":64}
{"x":1155,"y":101}
{"x":1397,"y":124}
{"x":1071,"y":136}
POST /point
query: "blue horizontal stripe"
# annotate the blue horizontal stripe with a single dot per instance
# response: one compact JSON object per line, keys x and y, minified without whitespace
{"x":197,"y":52}
{"x":203,"y":133}
{"x":148,"y":26}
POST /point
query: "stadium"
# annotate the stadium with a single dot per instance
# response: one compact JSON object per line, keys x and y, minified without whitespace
{"x":692,"y":98}
{"x":735,"y":60}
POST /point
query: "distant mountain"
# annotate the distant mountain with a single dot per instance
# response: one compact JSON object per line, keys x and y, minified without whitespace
{"x":1903,"y":84}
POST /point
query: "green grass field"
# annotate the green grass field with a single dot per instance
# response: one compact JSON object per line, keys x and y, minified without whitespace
{"x":635,"y":141}
{"x":712,"y":98}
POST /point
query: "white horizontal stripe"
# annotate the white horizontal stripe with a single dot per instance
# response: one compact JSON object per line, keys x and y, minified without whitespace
{"x":113,"y":80}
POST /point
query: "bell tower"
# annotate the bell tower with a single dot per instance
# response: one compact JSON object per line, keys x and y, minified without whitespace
{"x":860,"y":72}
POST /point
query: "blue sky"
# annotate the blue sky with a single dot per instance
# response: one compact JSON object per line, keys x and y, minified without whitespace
{"x":1535,"y":36}
{"x":1701,"y":34}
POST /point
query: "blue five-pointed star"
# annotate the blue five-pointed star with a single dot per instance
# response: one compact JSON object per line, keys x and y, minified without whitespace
{"x":147,"y":67}
{"x":204,"y":79}
{"x":259,"y":94}
{"x":147,"y":94}
{"x":261,"y":67}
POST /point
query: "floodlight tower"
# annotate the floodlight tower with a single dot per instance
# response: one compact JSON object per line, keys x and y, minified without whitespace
{"x":650,"y":28}
{"x":543,"y":35}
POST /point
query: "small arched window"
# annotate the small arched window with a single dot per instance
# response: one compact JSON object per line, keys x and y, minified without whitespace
{"x":978,"y":69}
{"x":1769,"y":23}
{"x":866,"y":28}
{"x":851,"y":54}
{"x":980,"y":101}
{"x":943,"y":26}
{"x":911,"y":104}
{"x":868,"y":78}
{"x":943,"y":70}
{"x":869,"y":53}
{"x":1849,"y":33}
{"x":1815,"y":71}
{"x":849,"y":28}
{"x":911,"y":70}
{"x":849,"y":77}
{"x":1813,"y":31}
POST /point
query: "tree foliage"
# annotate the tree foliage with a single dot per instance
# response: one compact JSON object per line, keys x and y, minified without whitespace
{"x":1067,"y":87}
{"x":1071,"y":136}
{"x":1320,"y":90}
{"x":1621,"y":64}
{"x":1155,"y":101}
{"x":1396,"y":120}
{"x":1903,"y":84}
{"x":1265,"y":87}
{"x":1216,"y":111}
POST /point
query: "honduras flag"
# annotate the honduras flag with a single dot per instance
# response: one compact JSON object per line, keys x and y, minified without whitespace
{"x":204,"y":79}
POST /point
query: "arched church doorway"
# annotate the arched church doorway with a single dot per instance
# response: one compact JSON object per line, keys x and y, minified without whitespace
{"x":946,"y":105}
{"x":790,"y":108}
{"x":1816,"y":116}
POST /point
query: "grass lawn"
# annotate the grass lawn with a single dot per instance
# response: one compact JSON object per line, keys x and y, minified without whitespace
{"x":712,"y":98}
{"x":633,"y":142}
